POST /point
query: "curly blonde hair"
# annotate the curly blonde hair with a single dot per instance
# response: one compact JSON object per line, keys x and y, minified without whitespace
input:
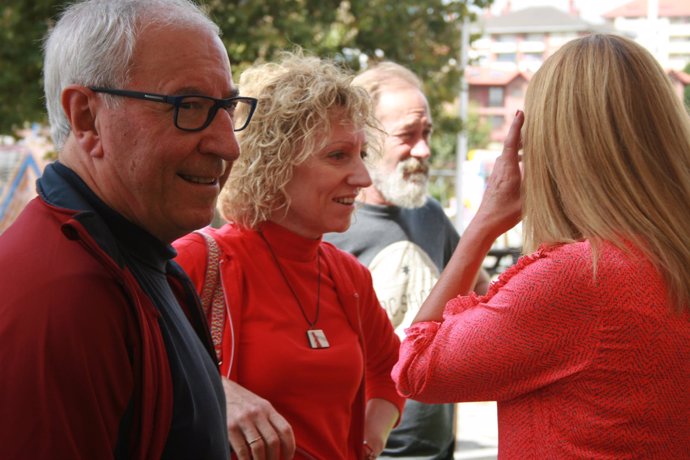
{"x":607,"y":155}
{"x":298,"y":95}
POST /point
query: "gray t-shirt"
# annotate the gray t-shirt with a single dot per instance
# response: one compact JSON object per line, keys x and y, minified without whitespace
{"x":405,"y":250}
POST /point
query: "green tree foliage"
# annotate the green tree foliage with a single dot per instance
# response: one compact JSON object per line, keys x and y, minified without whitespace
{"x":22,"y":27}
{"x":444,"y":143}
{"x":421,"y":34}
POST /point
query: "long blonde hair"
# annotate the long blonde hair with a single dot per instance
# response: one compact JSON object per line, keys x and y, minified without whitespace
{"x":607,"y":155}
{"x":297,"y":97}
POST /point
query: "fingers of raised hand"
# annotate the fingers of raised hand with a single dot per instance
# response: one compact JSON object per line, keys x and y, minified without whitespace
{"x":501,"y":204}
{"x":507,"y":166}
{"x":513,"y":141}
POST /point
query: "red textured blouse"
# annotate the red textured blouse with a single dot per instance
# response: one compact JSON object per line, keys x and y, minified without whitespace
{"x":581,"y":367}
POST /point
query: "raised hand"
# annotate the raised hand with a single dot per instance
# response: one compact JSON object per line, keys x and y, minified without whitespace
{"x":501,"y":206}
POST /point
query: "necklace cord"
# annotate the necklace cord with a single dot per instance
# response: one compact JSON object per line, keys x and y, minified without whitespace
{"x":285,"y":278}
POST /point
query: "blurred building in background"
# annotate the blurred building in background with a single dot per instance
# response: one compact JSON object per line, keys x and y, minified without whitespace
{"x":512,"y":47}
{"x":661,"y":26}
{"x":21,"y":163}
{"x":18,"y":173}
{"x":514,"y":44}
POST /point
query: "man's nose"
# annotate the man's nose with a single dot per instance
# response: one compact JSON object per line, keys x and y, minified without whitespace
{"x":220,"y":139}
{"x":421,"y":149}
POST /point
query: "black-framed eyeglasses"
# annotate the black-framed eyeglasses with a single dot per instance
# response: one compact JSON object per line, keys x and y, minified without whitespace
{"x":195,"y":112}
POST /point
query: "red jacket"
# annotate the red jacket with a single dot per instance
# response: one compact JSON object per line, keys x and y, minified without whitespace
{"x":80,"y":346}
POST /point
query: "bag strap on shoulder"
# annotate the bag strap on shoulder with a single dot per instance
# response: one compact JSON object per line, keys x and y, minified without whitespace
{"x":212,"y":297}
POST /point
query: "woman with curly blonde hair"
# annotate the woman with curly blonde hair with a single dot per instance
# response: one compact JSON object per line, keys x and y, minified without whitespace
{"x":585,"y":343}
{"x":305,"y":348}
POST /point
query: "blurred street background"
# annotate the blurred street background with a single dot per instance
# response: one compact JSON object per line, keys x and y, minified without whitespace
{"x":477,"y":431}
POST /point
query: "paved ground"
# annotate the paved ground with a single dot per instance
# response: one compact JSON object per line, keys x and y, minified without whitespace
{"x":477,"y":431}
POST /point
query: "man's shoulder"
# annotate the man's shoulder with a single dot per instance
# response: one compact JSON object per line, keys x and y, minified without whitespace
{"x":432,"y":207}
{"x":42,"y":254}
{"x":432,"y":215}
{"x":371,"y":229}
{"x":38,"y":226}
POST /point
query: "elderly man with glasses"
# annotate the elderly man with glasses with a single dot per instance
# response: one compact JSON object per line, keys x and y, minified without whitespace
{"x":104,"y":349}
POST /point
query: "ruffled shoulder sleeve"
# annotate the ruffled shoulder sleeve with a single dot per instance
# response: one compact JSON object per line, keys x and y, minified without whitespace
{"x":462,"y":303}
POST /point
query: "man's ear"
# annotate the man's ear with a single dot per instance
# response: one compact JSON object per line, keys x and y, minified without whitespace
{"x":81,"y":108}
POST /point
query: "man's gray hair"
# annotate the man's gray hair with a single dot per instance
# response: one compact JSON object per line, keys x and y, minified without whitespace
{"x":93,"y":42}
{"x":384,"y":76}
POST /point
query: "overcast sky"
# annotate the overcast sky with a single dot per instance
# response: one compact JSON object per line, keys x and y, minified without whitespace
{"x":590,"y":10}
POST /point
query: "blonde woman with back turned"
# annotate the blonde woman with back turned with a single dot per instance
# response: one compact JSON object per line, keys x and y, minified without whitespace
{"x":585,"y":343}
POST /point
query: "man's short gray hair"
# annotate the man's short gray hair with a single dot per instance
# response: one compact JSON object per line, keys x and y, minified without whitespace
{"x":385,"y":76}
{"x":93,"y":42}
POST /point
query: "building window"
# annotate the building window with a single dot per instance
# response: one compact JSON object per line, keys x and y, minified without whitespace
{"x":533,"y":57}
{"x":505,"y":57}
{"x":559,"y":39}
{"x":506,"y":38}
{"x":534,"y":37}
{"x":495,"y":96}
{"x":497,"y":121}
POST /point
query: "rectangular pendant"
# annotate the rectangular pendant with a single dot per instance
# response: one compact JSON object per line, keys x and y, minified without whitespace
{"x":317,"y":339}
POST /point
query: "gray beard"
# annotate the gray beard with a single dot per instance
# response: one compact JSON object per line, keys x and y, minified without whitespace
{"x":398,"y":190}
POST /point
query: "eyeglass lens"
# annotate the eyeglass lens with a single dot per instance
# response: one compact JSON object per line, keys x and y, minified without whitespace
{"x":197,"y":112}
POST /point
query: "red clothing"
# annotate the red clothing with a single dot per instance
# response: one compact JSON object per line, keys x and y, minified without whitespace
{"x":581,"y":367}
{"x":265,"y":349}
{"x":85,"y":370}
{"x":58,"y":397}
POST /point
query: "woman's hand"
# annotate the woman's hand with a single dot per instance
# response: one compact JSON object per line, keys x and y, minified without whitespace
{"x":501,"y":206}
{"x":255,"y":429}
{"x":499,"y":211}
{"x":380,"y":418}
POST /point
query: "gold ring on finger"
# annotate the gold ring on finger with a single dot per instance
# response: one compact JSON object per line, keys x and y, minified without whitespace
{"x":254,"y":440}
